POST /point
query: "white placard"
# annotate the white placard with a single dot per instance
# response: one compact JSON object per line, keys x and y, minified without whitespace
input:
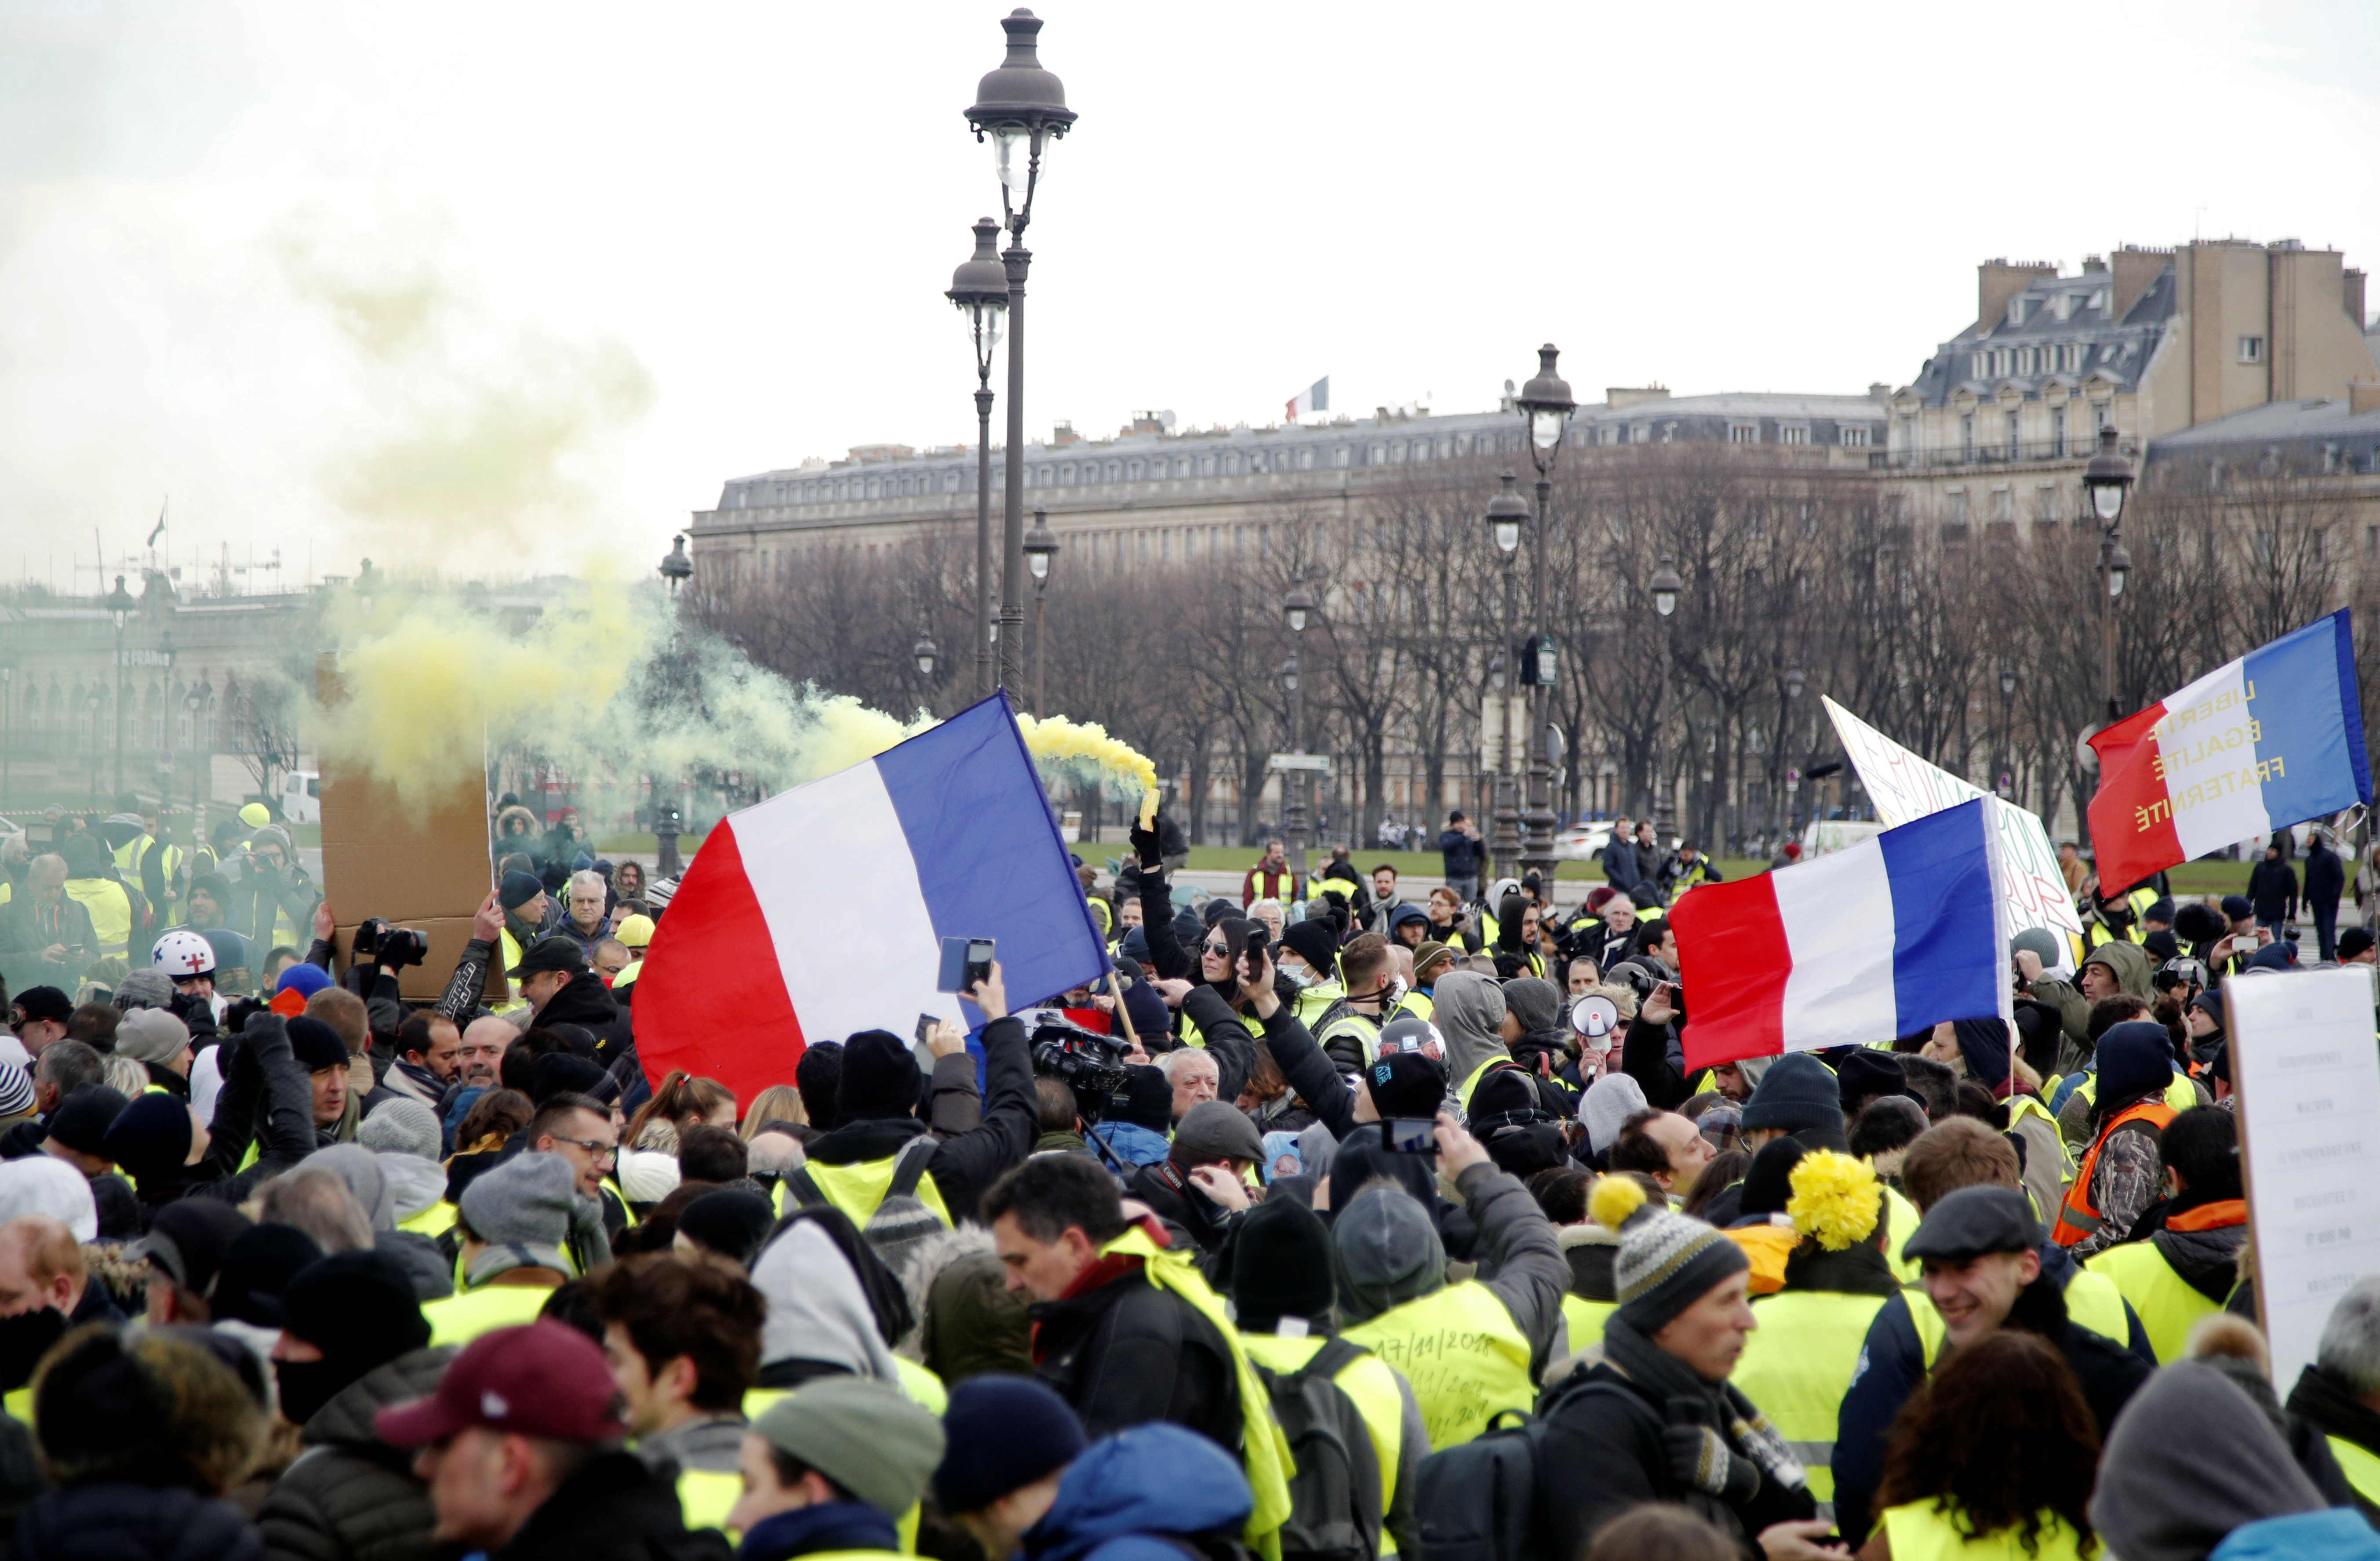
{"x":1903,"y":787}
{"x":2307,"y":1070}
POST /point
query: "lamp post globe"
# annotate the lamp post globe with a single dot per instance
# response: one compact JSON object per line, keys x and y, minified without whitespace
{"x":2007,"y":680}
{"x":1289,"y":676}
{"x":1795,"y":681}
{"x":2119,"y":565}
{"x":1665,"y":587}
{"x":1545,"y":401}
{"x":1297,"y":607}
{"x":979,"y":291}
{"x":1507,"y":512}
{"x":1040,"y":547}
{"x":676,"y":568}
{"x":120,"y":603}
{"x":924,"y":653}
{"x":2108,"y":479}
{"x":1021,"y":109}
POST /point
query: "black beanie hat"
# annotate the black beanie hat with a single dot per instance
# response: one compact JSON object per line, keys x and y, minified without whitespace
{"x":1863,"y":1073}
{"x":1313,"y":943}
{"x":2133,"y":1058}
{"x":519,"y":889}
{"x":1406,"y":1083}
{"x":82,"y":1119}
{"x":150,"y":1138}
{"x":559,"y":1072}
{"x":1002,"y":1434}
{"x":1145,"y":1100}
{"x":357,"y":1305}
{"x":256,"y":1267}
{"x":1768,"y":1183}
{"x":816,"y":1077}
{"x":1797,"y":1093}
{"x":731,"y":1222}
{"x":879,"y":1077}
{"x":1282,"y":1267}
{"x":1501,"y":1090}
{"x":316,"y":1045}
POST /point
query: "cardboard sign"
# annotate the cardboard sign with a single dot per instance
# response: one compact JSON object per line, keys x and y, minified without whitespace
{"x":1905,"y":787}
{"x":427,"y":869}
{"x":2307,"y":1073}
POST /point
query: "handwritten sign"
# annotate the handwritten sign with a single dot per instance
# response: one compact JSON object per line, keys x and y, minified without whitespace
{"x":2307,"y":1070}
{"x":1905,"y":787}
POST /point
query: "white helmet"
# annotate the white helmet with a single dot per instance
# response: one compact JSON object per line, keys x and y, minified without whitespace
{"x":182,"y":952}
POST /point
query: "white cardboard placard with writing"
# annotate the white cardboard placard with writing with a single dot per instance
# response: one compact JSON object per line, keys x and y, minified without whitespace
{"x":1905,"y":787}
{"x":2307,"y":1071}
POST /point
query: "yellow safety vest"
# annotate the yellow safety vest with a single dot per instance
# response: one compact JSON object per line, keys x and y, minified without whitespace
{"x":460,"y":1318}
{"x":1585,"y":1319}
{"x":433,"y":1222}
{"x":1919,"y":1532}
{"x":19,"y":1403}
{"x":2167,"y":1303}
{"x":110,"y":908}
{"x":2358,"y":1462}
{"x":1471,"y":1081}
{"x":1312,"y":1001}
{"x":1368,"y":1380}
{"x":1420,"y":1005}
{"x":1264,"y":1450}
{"x":857,"y":1187}
{"x":1462,"y":1351}
{"x":627,"y":976}
{"x":2181,"y":1094}
{"x":706,"y":1497}
{"x":1901,"y":1223}
{"x":1796,"y":1367}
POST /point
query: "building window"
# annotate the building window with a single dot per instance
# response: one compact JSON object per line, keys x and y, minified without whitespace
{"x":2058,"y":432}
{"x":1608,"y":434}
{"x":1231,"y":463}
{"x":1306,"y":460}
{"x":1380,"y":455}
{"x":1909,"y":433}
{"x":1642,"y":433}
{"x":1966,"y":436}
{"x":1854,"y":435}
{"x":1115,"y":471}
{"x":1979,"y":365}
{"x":2330,"y":457}
{"x":2044,"y":501}
{"x":2102,"y":414}
{"x":1342,"y":456}
{"x":2016,"y":310}
{"x":1958,"y":497}
{"x":2372,"y":542}
{"x":1136,"y":470}
{"x":2252,"y":349}
{"x":2008,"y":437}
{"x":2003,"y":503}
{"x":1792,"y":434}
{"x":1743,"y":433}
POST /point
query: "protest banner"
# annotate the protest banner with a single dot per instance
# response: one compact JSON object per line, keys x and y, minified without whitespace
{"x":1905,"y":787}
{"x":2308,"y":1078}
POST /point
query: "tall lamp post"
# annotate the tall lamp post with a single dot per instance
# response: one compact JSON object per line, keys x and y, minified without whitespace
{"x":120,"y":606}
{"x":1296,"y":608}
{"x":2008,"y":735}
{"x":1506,"y":513}
{"x":1795,"y":681}
{"x":1021,"y":108}
{"x":2106,"y":482}
{"x":1041,"y":551}
{"x":980,"y":288}
{"x":1545,"y":402}
{"x":1665,"y":587}
{"x":676,"y":568}
{"x":201,"y":697}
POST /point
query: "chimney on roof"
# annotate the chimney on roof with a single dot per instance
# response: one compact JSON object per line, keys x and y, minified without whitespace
{"x":2093,"y":263}
{"x":1878,"y":391}
{"x":1997,"y":281}
{"x":2135,"y":272}
{"x":1622,"y":397}
{"x":1063,"y":433}
{"x":2351,"y":294}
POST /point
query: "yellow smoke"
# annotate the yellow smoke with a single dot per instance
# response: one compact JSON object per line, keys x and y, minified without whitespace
{"x":1086,"y":745}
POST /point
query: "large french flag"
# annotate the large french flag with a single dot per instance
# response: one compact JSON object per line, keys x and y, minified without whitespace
{"x":2272,"y":739}
{"x":821,"y":911}
{"x":1882,"y":939}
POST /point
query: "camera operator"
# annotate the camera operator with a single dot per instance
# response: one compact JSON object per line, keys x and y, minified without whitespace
{"x":273,"y":897}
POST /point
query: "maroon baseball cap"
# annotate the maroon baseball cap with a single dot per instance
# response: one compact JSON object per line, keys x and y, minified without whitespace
{"x":542,"y":1380}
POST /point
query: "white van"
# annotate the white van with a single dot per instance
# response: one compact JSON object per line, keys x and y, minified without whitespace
{"x":301,"y":796}
{"x":1823,"y":835}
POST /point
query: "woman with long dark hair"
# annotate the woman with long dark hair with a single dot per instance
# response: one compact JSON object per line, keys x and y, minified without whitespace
{"x":1992,"y":1460}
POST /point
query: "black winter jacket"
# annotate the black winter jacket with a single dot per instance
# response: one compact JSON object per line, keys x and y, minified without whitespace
{"x":350,"y":1496}
{"x":962,"y":1167}
{"x":110,"y":1522}
{"x":616,"y":1508}
{"x":1131,"y":1351}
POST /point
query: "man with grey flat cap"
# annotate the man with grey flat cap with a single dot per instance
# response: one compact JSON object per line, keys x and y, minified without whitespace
{"x":1981,"y":1250}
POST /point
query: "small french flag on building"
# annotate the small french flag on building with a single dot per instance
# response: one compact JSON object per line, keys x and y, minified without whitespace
{"x":1315,"y":397}
{"x":1890,"y":936}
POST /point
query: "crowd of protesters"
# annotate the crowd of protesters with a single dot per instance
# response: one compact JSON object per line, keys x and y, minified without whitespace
{"x":1335,"y":1224}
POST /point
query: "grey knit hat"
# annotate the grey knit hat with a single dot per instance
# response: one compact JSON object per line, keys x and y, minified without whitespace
{"x":150,"y":1035}
{"x":521,"y":1208}
{"x":403,"y":1125}
{"x":144,"y":989}
{"x":1666,"y":1261}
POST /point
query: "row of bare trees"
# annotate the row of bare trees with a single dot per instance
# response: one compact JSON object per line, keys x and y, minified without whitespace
{"x":1908,"y":620}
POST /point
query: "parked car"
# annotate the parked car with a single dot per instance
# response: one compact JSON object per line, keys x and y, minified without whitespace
{"x":1582,"y":842}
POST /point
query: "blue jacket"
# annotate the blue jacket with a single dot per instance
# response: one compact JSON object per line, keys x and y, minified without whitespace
{"x":1129,"y":1489}
{"x":1133,"y":1144}
{"x":1460,"y":853}
{"x":2338,"y":1535}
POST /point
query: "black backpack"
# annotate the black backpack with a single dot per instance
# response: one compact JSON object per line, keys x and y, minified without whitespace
{"x":898,"y":1223}
{"x":1483,"y":1500}
{"x":1334,"y":1495}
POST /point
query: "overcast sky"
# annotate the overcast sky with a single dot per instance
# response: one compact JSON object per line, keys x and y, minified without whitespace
{"x":493,"y":288}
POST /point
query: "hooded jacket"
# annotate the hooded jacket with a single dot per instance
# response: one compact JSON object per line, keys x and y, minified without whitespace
{"x":115,"y":1523}
{"x":820,"y":1313}
{"x":1386,"y":1251}
{"x":1129,"y":1495}
{"x":2163,"y":1497}
{"x":1469,"y":1008}
{"x":363,"y":1171}
{"x":585,"y":1000}
{"x":970,"y":1321}
{"x":350,"y":1496}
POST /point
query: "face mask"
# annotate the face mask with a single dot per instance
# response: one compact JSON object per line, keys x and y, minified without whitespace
{"x":1301,"y":976}
{"x":24,"y":1339}
{"x":307,"y":1385}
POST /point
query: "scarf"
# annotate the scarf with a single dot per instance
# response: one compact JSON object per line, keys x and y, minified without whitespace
{"x":1689,"y":1400}
{"x":829,"y":1525}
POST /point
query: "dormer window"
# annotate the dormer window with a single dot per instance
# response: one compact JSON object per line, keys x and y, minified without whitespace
{"x":2098,"y":299}
{"x":2016,"y":309}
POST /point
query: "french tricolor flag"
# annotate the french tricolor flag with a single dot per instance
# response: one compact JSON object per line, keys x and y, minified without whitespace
{"x":821,"y":911}
{"x":1315,"y":397}
{"x":2260,"y":743}
{"x":1882,"y":939}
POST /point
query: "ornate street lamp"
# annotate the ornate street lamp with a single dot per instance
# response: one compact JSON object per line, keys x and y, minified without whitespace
{"x":979,"y":289}
{"x":1546,"y":403}
{"x":1665,"y":587}
{"x":1041,"y":551}
{"x":676,"y":568}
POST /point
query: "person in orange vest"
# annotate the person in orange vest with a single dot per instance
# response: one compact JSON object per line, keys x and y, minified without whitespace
{"x":2121,"y":1173}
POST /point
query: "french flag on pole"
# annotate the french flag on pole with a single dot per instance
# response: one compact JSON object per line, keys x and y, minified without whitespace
{"x":821,"y":911}
{"x":1883,"y":939}
{"x":1315,"y":397}
{"x":2260,"y":743}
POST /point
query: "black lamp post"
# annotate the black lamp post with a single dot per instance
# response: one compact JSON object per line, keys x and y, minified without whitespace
{"x":1021,"y":109}
{"x":2006,"y":769}
{"x":2106,"y":482}
{"x":1546,"y":403}
{"x":120,"y":606}
{"x":1040,"y":553}
{"x":1296,"y":608}
{"x":980,"y":288}
{"x":676,"y":568}
{"x":1507,"y":512}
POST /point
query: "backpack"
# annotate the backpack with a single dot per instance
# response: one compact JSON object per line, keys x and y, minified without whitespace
{"x":1482,"y":1500}
{"x":1334,"y":1494}
{"x":902,"y":1220}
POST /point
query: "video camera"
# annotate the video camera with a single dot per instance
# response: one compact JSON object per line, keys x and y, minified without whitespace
{"x":1091,"y":1064}
{"x":378,"y":943}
